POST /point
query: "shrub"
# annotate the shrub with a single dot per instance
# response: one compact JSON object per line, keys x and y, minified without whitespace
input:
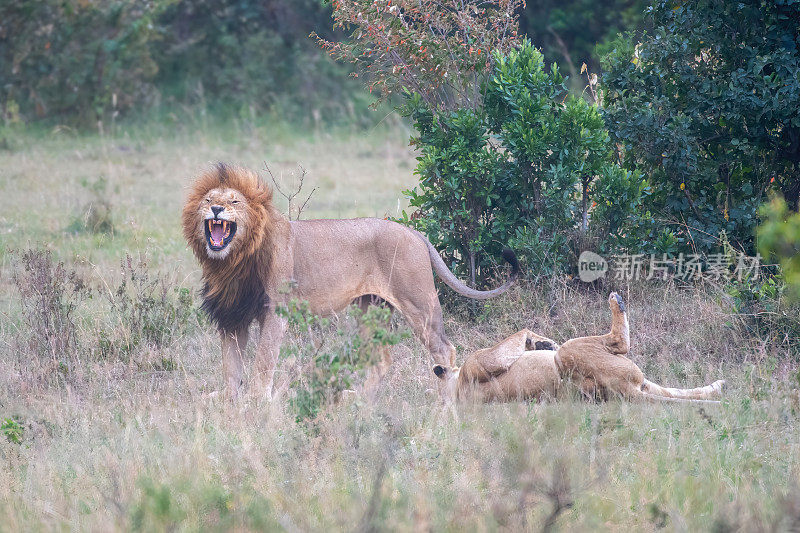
{"x":531,"y":168}
{"x":507,"y":155}
{"x":156,"y":509}
{"x":707,"y":105}
{"x":564,"y":175}
{"x":146,"y":311}
{"x":437,"y":49}
{"x":12,"y":429}
{"x":49,"y":295}
{"x":330,"y":368}
{"x":464,"y":194}
{"x":190,"y":503}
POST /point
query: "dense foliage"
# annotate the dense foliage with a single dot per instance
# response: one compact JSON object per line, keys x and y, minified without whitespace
{"x":708,"y":107}
{"x":574,"y":32}
{"x":81,"y":62}
{"x":531,"y":168}
{"x":256,"y":55}
{"x":436,"y":49}
{"x":71,"y":58}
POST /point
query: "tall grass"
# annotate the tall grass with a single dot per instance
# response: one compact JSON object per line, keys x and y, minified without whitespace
{"x":139,"y":438}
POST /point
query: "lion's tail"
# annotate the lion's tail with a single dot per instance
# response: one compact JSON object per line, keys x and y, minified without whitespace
{"x":457,"y":285}
{"x":700,"y":393}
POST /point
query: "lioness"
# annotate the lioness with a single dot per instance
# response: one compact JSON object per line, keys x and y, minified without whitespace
{"x":527,"y":365}
{"x":254,"y":259}
{"x":520,"y":367}
{"x":598,"y":366}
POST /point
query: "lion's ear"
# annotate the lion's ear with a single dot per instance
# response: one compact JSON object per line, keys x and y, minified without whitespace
{"x":440,"y":371}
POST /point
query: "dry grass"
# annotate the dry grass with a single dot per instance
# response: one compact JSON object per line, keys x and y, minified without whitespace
{"x":124,"y":445}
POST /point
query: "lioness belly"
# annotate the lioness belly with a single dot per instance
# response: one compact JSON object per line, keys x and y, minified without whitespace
{"x":532,"y":376}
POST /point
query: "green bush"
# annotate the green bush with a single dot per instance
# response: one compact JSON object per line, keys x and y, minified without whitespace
{"x":81,"y":62}
{"x":779,"y":237}
{"x":194,"y":504}
{"x":12,"y":429}
{"x":462,"y":195}
{"x":532,"y":168}
{"x":75,"y":59}
{"x":332,"y":367}
{"x":561,"y":157}
{"x":707,"y":105}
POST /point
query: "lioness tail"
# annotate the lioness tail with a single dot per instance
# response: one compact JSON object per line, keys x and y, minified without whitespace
{"x":700,"y":393}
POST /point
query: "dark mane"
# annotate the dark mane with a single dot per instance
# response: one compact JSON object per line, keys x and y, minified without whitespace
{"x":244,"y":300}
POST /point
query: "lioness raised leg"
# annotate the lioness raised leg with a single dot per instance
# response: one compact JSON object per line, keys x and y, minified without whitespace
{"x":598,"y":366}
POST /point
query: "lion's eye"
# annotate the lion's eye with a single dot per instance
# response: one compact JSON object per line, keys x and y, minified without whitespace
{"x":235,"y":202}
{"x":208,"y":199}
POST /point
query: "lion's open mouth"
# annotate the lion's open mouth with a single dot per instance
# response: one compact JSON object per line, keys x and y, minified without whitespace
{"x":219,"y":233}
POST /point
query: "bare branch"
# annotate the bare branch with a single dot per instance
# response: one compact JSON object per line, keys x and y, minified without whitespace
{"x":290,"y":196}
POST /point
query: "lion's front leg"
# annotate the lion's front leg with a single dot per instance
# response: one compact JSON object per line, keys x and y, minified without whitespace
{"x":273,"y":328}
{"x":233,"y":347}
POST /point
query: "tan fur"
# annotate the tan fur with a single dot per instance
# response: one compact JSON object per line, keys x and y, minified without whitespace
{"x":328,"y":263}
{"x":510,"y":370}
{"x":597,"y":365}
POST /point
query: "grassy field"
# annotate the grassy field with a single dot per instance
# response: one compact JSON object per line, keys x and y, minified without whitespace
{"x":133,"y":435}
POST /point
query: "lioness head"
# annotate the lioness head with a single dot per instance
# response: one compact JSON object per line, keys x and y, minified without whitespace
{"x":226,"y":213}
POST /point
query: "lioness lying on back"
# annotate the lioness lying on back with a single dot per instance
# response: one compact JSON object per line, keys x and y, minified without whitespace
{"x":521,"y":366}
{"x":527,"y":365}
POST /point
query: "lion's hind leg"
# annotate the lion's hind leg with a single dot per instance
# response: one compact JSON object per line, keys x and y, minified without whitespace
{"x":273,"y":328}
{"x":424,"y":315}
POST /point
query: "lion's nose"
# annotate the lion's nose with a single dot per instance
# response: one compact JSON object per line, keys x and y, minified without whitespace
{"x":217,"y":209}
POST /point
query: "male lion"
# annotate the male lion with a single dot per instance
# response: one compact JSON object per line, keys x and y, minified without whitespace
{"x":527,"y":365}
{"x":252,"y":256}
